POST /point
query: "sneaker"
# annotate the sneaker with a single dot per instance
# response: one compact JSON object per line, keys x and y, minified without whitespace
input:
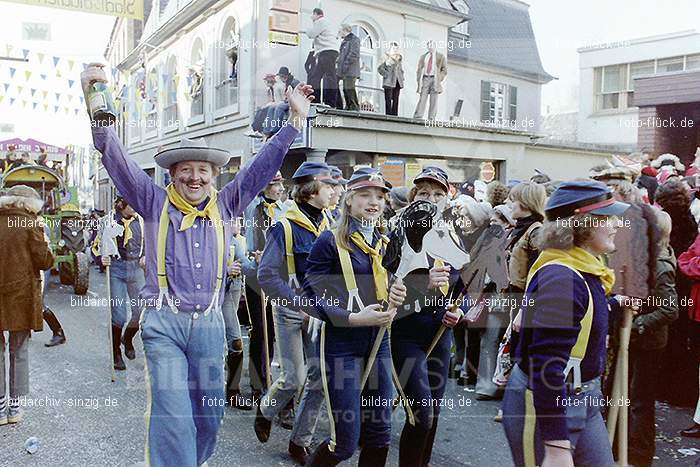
{"x":3,"y":415}
{"x":15,"y":414}
{"x":57,"y":339}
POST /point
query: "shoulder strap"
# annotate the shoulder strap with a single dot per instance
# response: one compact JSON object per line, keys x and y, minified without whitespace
{"x":288,"y":245}
{"x":348,"y":273}
{"x":578,"y":351}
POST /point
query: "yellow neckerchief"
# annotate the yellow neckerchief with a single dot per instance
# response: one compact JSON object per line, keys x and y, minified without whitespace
{"x":190,"y":212}
{"x":381,"y":279}
{"x":295,"y":215}
{"x":128,"y":234}
{"x":270,"y":207}
{"x":579,"y":259}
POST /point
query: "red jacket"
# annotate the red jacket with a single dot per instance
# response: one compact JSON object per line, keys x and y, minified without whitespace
{"x":689,"y":264}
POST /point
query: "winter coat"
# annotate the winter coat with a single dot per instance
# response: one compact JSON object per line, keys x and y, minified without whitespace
{"x":24,"y":254}
{"x":650,"y":326}
{"x":689,"y":265}
{"x":392,"y":74}
{"x":349,"y":57}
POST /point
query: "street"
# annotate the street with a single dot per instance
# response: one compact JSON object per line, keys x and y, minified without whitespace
{"x":81,"y":418}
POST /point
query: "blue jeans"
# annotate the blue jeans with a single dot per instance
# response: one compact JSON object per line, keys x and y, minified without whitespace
{"x":356,"y":413}
{"x":587,"y":432}
{"x":126,"y":279}
{"x":276,"y":116}
{"x":185,"y":385}
{"x":293,"y":339}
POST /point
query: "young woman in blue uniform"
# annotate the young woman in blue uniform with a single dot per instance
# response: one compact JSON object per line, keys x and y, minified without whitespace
{"x":551,"y":407}
{"x":346,"y":285}
{"x":422,"y":377}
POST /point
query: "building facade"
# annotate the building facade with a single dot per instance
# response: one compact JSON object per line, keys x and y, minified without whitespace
{"x":196,"y":71}
{"x":610,"y":111}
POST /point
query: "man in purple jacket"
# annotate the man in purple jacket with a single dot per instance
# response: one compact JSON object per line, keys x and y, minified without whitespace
{"x":187,"y":233}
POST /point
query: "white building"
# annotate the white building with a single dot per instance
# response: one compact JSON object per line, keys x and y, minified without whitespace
{"x":491,"y":103}
{"x":607,"y":112}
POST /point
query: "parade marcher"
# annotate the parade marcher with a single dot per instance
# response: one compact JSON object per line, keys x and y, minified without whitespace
{"x":344,"y":274}
{"x":551,"y":409}
{"x":398,"y":200}
{"x":281,"y":274}
{"x":126,"y":278}
{"x":339,"y":190}
{"x":43,"y":158}
{"x":649,"y":337}
{"x":20,"y":291}
{"x":239,"y":266}
{"x":422,"y":378}
{"x":187,"y":244}
{"x":260,"y":215}
{"x":59,"y":336}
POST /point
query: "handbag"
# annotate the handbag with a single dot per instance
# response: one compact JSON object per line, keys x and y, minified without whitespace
{"x":504,"y":360}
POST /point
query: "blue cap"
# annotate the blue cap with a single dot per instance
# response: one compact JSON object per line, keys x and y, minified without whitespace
{"x":435,"y":174}
{"x":313,"y":171}
{"x":337,"y":174}
{"x":368,"y":177}
{"x":580,"y":197}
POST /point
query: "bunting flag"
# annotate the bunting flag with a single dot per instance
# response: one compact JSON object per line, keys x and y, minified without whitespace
{"x":82,"y":99}
{"x":12,"y":100}
{"x":34,"y":104}
{"x":55,"y":108}
{"x":43,"y":76}
{"x":46,"y":107}
{"x":70,"y":65}
{"x":41,"y":57}
{"x":27,"y":75}
{"x":12,"y":72}
{"x":70,"y":98}
{"x":7,"y":85}
{"x":58,"y":73}
{"x":71,"y":82}
{"x":58,"y":96}
{"x":32,"y":90}
{"x":25,"y":53}
{"x":44,"y":93}
{"x":56,"y":60}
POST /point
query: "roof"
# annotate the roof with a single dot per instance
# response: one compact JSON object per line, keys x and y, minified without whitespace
{"x":501,"y":35}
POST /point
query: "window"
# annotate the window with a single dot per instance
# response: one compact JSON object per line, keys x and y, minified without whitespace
{"x":610,"y":82}
{"x":195,"y":79}
{"x":226,"y":88}
{"x":170,"y":116}
{"x":150,"y":104}
{"x":369,"y":92}
{"x":499,"y":103}
{"x":637,"y":69}
{"x":692,"y":62}
{"x":670,"y":64}
{"x":463,"y":27}
{"x":136,"y":101}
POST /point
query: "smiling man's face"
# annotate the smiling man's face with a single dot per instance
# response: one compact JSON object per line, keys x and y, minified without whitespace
{"x":193,"y":180}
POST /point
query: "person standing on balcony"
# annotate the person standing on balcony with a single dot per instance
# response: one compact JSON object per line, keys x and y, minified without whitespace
{"x":349,"y":65}
{"x":391,"y":70}
{"x":326,"y":47}
{"x":432,"y":70}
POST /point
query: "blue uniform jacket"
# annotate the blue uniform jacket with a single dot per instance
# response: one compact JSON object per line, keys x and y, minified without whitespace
{"x":272,"y":272}
{"x":324,"y":284}
{"x":555,"y":302}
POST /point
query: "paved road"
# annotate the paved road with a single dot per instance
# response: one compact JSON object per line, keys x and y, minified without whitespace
{"x":88,"y":421}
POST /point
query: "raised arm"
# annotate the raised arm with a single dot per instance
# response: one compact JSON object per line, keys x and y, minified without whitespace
{"x":137,"y":188}
{"x":253,"y":178}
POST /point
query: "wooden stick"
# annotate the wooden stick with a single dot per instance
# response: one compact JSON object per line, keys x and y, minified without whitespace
{"x":625,"y":333}
{"x":442,"y":329}
{"x":373,"y":355}
{"x":613,"y":413}
{"x":268,"y":375}
{"x":109,"y":328}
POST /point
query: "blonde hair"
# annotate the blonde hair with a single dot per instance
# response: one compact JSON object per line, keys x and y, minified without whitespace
{"x":532,"y":196}
{"x":342,"y":227}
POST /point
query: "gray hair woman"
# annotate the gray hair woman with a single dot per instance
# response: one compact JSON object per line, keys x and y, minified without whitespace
{"x":552,"y":403}
{"x":21,"y":232}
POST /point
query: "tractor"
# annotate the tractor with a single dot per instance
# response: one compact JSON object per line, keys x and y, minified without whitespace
{"x":61,"y":213}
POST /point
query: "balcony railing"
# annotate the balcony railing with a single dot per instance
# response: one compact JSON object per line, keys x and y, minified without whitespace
{"x":197,"y":105}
